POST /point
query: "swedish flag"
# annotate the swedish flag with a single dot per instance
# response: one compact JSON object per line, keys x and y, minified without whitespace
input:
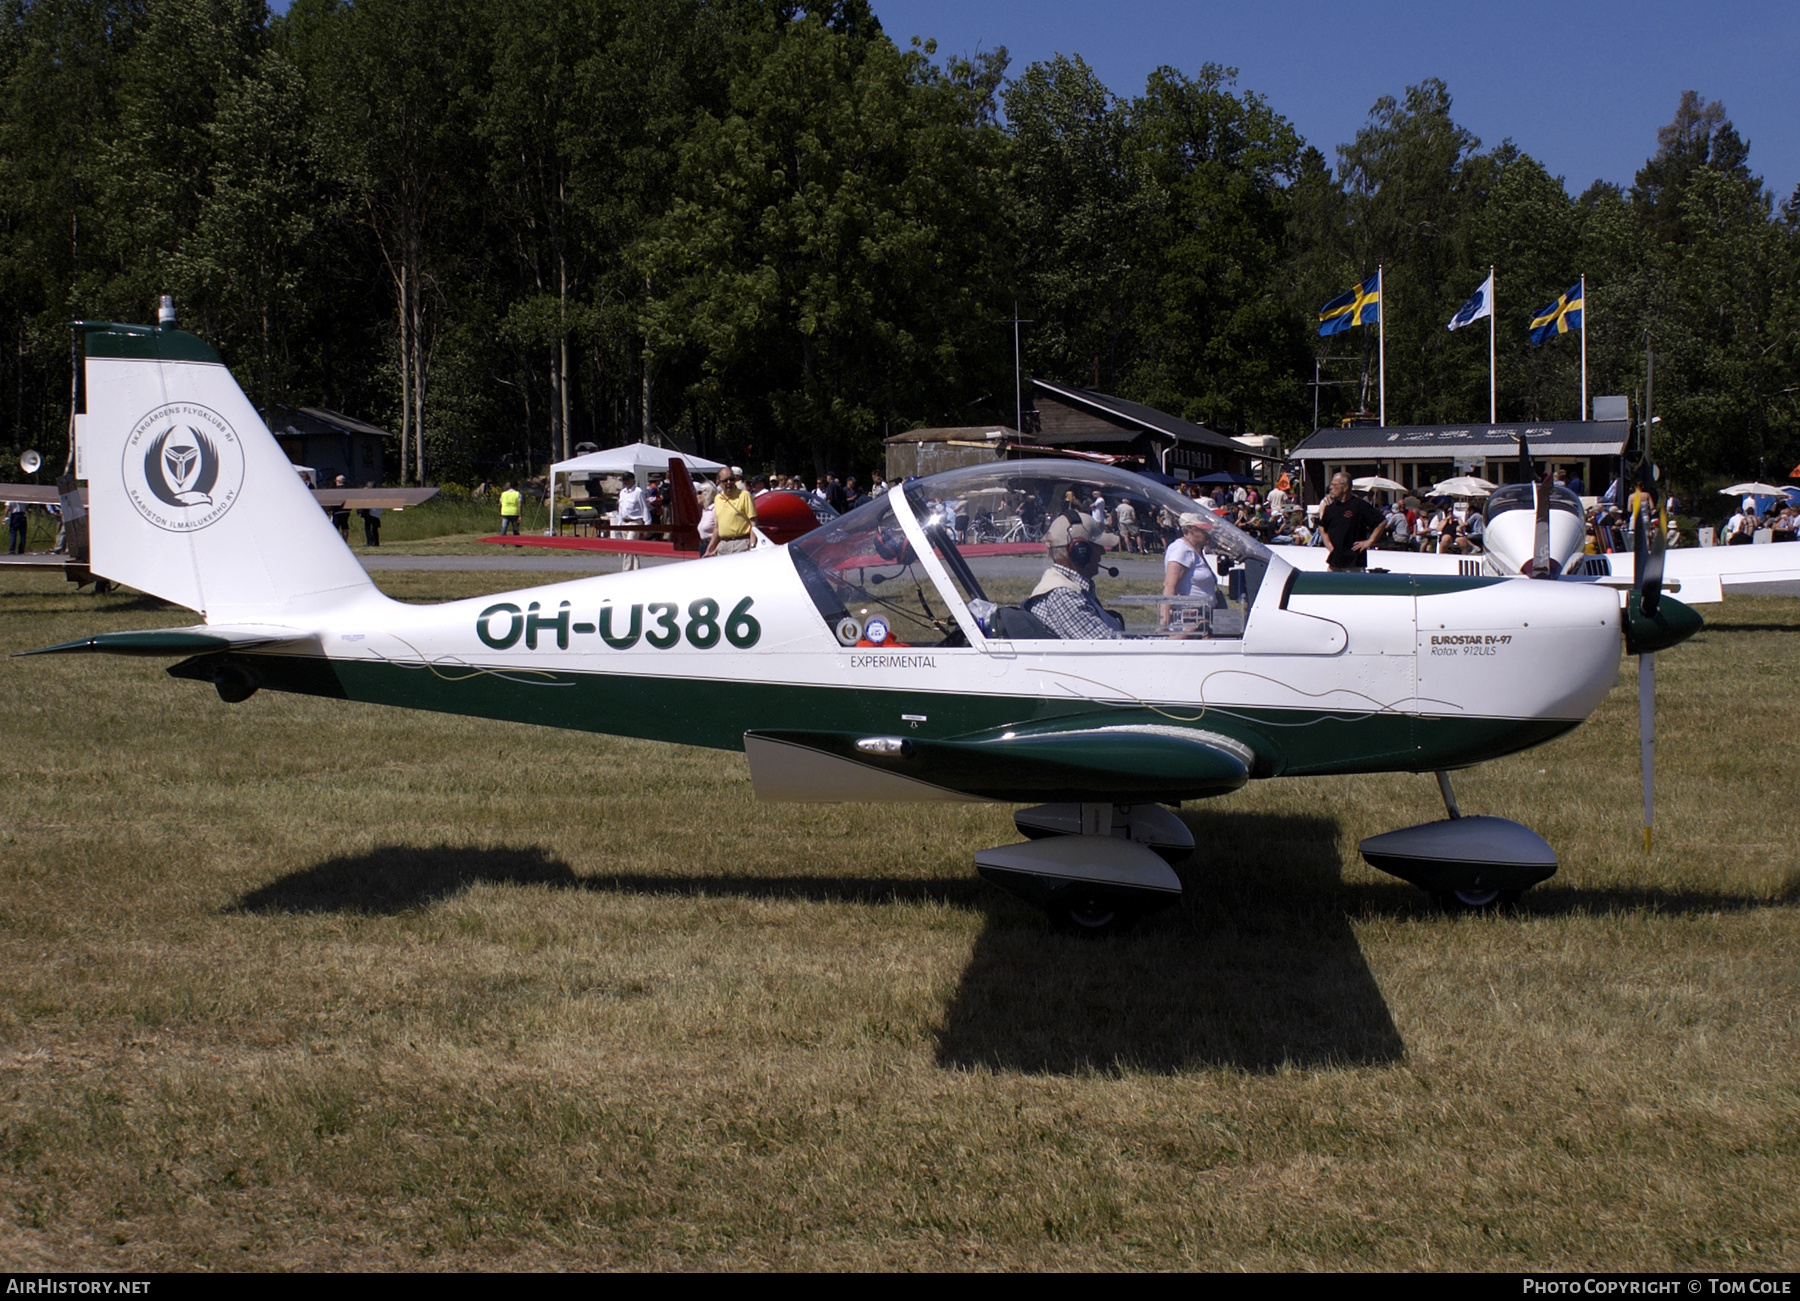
{"x":1560,"y":317}
{"x":1360,"y":306}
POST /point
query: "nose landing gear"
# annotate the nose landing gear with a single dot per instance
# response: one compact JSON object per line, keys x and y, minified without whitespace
{"x":1473,"y":864}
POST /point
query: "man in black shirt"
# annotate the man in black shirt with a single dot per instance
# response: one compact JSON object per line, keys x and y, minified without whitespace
{"x":1351,"y":524}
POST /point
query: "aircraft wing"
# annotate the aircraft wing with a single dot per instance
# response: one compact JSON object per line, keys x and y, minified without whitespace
{"x":198,"y":640}
{"x":372,"y":498}
{"x":37,"y":494}
{"x":1085,"y":758}
{"x":1699,"y":575}
{"x":41,"y":560}
{"x":45,"y":494}
{"x":1732,"y":567}
{"x":1312,"y":559}
{"x":606,"y":546}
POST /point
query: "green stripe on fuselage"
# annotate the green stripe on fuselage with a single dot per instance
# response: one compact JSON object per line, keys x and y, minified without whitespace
{"x":1309,"y":583}
{"x":717,"y":713}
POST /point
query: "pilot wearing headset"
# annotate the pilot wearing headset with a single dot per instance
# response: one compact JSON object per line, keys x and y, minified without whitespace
{"x":1064,"y":600}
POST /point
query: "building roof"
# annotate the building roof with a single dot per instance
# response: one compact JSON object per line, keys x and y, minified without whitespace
{"x":310,"y":420}
{"x":1135,"y":413}
{"x":957,"y":434}
{"x":1448,"y":442}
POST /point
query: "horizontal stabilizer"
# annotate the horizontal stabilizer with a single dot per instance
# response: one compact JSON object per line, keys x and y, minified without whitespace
{"x":170,"y":641}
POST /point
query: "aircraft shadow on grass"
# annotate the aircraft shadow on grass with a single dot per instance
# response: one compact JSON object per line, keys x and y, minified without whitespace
{"x":395,"y":878}
{"x":133,"y":603}
{"x":1260,"y":968}
{"x":1245,"y":975}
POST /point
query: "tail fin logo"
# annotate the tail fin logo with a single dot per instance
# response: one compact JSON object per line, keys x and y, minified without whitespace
{"x":183,"y":466}
{"x":189,"y":466}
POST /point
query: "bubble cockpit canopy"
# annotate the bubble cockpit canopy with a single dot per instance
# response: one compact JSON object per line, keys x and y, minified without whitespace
{"x":985,"y":529}
{"x":1523,"y":496}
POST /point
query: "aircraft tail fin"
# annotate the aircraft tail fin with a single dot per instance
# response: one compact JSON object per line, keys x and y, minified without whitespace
{"x":190,"y":497}
{"x":684,"y":507}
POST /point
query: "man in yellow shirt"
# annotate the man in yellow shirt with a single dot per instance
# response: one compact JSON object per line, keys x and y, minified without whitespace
{"x":734,"y":511}
{"x":509,"y":510}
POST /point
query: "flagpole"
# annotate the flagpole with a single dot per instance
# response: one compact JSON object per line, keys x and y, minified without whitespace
{"x":1381,"y":332}
{"x":1585,"y":414}
{"x":1493,"y":315}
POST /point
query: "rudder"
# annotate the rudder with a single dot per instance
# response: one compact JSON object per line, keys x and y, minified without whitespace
{"x":190,"y":497}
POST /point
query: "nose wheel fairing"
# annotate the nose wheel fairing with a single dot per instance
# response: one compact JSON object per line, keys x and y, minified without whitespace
{"x":1471,"y":863}
{"x":1471,"y":855}
{"x":1088,"y":883}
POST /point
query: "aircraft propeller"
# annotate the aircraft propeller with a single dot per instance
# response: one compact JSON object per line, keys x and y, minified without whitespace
{"x":1541,"y":567}
{"x":1649,"y":546}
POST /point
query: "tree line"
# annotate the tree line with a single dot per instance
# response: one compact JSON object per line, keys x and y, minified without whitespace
{"x":771,"y":233}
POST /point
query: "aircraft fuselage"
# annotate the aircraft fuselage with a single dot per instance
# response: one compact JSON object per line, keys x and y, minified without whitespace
{"x":1334,"y":672}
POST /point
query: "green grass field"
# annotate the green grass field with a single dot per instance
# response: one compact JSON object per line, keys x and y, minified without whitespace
{"x":295,"y":983}
{"x":442,"y":527}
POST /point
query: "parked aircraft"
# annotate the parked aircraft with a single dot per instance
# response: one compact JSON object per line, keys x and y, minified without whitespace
{"x":877,"y":659}
{"x":1701,"y":575}
{"x":72,"y":560}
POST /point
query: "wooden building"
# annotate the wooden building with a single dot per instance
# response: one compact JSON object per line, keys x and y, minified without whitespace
{"x":331,"y":443}
{"x":1087,"y":421}
{"x":928,"y":451}
{"x":1079,"y":422}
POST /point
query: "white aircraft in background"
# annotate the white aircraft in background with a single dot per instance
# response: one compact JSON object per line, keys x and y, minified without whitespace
{"x":873,"y":659}
{"x":1510,"y":546}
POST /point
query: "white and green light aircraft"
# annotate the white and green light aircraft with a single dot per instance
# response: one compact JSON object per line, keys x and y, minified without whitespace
{"x":878,"y":658}
{"x":1701,"y":575}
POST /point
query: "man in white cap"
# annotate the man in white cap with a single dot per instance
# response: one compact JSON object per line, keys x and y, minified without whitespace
{"x":1186,"y":570}
{"x":1064,"y":600}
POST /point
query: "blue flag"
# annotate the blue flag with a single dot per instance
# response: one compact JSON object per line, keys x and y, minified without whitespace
{"x":1358,"y":306}
{"x":1560,"y":317}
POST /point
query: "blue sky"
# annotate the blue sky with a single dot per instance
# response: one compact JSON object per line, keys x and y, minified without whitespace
{"x":1581,"y":86}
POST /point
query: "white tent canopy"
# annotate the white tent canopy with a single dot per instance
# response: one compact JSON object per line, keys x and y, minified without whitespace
{"x":641,"y":459}
{"x":1466,"y":485}
{"x":634,"y":458}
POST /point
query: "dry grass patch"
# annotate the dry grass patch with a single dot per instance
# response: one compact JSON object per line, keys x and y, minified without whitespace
{"x":300,"y":983}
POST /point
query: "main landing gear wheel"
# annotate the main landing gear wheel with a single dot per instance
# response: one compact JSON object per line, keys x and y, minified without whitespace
{"x":1477,"y":901}
{"x":1091,"y":915}
{"x":1091,"y":885}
